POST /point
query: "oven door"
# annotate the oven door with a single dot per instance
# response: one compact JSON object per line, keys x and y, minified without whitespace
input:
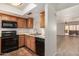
{"x":9,"y":44}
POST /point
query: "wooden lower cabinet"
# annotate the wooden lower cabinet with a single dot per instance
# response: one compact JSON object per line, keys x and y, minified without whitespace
{"x":30,"y":42}
{"x":21,"y":40}
{"x":27,"y":41}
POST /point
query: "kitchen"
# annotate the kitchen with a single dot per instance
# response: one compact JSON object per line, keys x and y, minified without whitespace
{"x":22,"y":29}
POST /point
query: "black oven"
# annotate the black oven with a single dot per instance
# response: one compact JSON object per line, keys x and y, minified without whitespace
{"x":9,"y":24}
{"x":9,"y":41}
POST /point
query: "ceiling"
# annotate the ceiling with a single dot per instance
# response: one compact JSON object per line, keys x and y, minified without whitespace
{"x":20,"y":11}
{"x":21,"y":7}
{"x":68,"y":13}
{"x":65,"y":11}
{"x":62,"y":6}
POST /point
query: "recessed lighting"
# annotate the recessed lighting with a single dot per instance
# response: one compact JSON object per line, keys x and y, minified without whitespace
{"x":16,"y":4}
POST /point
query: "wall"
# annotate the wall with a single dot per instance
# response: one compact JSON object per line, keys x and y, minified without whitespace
{"x":50,"y":31}
{"x":60,"y":29}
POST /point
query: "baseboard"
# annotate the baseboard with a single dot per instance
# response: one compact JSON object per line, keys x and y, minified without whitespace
{"x":21,"y":46}
{"x":30,"y":49}
{"x":53,"y":54}
{"x":27,"y":48}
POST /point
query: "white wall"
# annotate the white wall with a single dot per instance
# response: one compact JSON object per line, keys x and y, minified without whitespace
{"x":50,"y":42}
{"x":60,"y":28}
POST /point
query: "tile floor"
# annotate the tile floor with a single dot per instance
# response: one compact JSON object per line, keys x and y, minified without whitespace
{"x":20,"y":52}
{"x":68,"y":46}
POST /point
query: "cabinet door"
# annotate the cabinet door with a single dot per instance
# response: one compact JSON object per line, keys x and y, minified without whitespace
{"x":21,"y":23}
{"x":21,"y":40}
{"x":13,"y":18}
{"x":26,"y":37}
{"x":42,"y":19}
{"x":5,"y":17}
{"x":30,"y":22}
{"x":27,"y":41}
{"x":24,"y":23}
{"x":32,"y":43}
{"x":8,"y":17}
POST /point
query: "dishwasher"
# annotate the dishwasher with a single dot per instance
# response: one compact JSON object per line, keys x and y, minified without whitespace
{"x":40,"y":46}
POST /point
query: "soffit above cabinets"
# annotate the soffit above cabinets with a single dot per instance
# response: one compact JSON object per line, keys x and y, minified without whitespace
{"x":19,"y":10}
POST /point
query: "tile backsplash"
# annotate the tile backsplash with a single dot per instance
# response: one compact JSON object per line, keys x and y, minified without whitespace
{"x":30,"y":31}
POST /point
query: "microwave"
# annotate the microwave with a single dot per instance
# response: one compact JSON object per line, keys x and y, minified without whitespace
{"x":9,"y":24}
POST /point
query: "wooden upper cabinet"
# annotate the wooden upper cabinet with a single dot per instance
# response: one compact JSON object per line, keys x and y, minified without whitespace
{"x":13,"y":18}
{"x":8,"y":17}
{"x":30,"y":23}
{"x":5,"y":17}
{"x":21,"y":23}
{"x":42,"y":19}
{"x":24,"y":23}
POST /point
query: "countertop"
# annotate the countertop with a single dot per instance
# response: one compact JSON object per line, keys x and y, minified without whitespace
{"x":39,"y":36}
